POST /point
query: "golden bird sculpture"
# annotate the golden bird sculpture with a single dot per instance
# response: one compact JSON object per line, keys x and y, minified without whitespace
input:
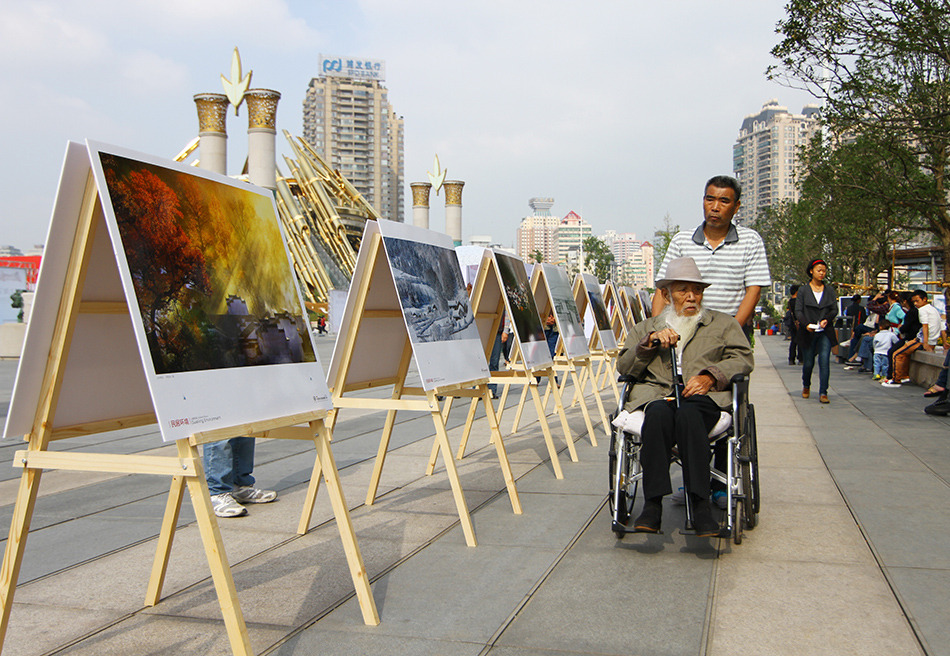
{"x":437,"y":178}
{"x":236,"y":86}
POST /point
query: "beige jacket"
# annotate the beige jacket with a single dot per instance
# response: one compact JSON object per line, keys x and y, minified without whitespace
{"x":719,"y":347}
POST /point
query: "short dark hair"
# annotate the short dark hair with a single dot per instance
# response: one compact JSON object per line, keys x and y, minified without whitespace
{"x":725,"y":182}
{"x":856,"y":298}
{"x":793,"y":290}
{"x":920,"y":293}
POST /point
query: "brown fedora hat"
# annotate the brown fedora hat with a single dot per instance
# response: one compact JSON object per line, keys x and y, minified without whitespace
{"x":682,"y":269}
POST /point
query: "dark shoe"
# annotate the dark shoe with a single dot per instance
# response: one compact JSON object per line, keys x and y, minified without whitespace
{"x":791,"y":363}
{"x":940,"y":407}
{"x":806,"y":393}
{"x":823,"y":398}
{"x":649,"y":520}
{"x":703,"y":522}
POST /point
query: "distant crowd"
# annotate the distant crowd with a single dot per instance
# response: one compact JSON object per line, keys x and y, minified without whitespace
{"x":883,"y":336}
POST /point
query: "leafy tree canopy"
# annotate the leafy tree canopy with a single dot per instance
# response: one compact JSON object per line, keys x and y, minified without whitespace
{"x":882,"y":70}
{"x":598,"y":258}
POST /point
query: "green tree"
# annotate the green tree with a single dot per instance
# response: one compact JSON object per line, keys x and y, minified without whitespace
{"x":882,"y":69}
{"x":537,"y":256}
{"x":16,"y":301}
{"x":839,"y":216}
{"x":662,"y":238}
{"x":597,"y":258}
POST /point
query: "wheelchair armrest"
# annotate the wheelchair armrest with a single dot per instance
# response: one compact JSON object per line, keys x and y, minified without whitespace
{"x":740,"y":388}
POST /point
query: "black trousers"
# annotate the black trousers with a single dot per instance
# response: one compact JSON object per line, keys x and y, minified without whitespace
{"x":688,"y":428}
{"x":794,"y":351}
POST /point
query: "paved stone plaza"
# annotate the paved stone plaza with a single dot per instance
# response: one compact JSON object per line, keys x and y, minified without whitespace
{"x":850,"y":556}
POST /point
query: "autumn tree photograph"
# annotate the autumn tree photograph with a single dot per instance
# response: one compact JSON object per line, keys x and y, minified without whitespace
{"x":209,"y":270}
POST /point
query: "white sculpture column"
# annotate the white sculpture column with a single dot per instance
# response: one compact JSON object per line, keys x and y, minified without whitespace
{"x":420,"y":204}
{"x":262,"y":136}
{"x":212,"y":132}
{"x":453,"y":209}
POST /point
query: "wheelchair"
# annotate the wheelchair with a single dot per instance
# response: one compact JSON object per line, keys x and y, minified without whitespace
{"x":735,"y":429}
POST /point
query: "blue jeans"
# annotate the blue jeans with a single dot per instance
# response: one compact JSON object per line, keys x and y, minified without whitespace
{"x":866,"y":350}
{"x":820,"y":346}
{"x":880,"y":364}
{"x":942,"y":376}
{"x":228,"y":464}
{"x":494,"y":360}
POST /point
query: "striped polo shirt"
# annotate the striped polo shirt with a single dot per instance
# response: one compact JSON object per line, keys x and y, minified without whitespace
{"x":738,"y":262}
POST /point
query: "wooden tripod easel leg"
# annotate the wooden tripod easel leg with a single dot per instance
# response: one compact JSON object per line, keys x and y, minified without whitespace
{"x":559,"y":408}
{"x":16,"y":543}
{"x":344,"y":523}
{"x":585,"y":375}
{"x":165,"y":537}
{"x":502,"y":452}
{"x":546,"y":431}
{"x":600,"y":403}
{"x":312,"y":488}
{"x":524,"y":396}
{"x":381,"y":457}
{"x":467,"y":431}
{"x":583,"y":404}
{"x":443,"y":442}
{"x":217,"y":559}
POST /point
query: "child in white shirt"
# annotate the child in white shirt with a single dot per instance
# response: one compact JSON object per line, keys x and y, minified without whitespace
{"x":883,"y":341}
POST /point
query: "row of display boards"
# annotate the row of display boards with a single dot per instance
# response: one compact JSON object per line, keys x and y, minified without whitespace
{"x":167,"y":295}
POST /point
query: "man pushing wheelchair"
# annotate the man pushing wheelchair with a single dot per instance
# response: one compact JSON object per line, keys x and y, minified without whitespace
{"x":711,"y":349}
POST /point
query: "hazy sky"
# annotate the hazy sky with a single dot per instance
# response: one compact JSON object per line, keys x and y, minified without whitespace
{"x":619,"y":110}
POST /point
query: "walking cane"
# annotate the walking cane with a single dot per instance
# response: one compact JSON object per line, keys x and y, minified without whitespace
{"x":678,"y":386}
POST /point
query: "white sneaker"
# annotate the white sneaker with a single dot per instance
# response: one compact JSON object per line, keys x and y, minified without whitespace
{"x":905,"y":380}
{"x":224,"y":505}
{"x":248,"y":494}
{"x":890,"y":383}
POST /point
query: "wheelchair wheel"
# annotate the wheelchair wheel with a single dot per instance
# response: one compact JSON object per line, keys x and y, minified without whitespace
{"x":748,"y":470}
{"x":620,"y":458}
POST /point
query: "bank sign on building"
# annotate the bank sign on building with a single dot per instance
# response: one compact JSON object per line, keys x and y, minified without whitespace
{"x":367,"y":69}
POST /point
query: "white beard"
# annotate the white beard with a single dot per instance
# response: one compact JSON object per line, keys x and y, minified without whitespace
{"x":685,"y":326}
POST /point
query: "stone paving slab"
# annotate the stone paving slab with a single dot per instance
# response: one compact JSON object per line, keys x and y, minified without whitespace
{"x":546,"y":582}
{"x":783,"y":607}
{"x":922,"y":592}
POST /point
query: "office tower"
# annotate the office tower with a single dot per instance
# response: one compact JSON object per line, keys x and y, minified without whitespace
{"x":633,"y":259}
{"x":348,"y":120}
{"x":765,"y":156}
{"x":571,"y":233}
{"x":538,"y":232}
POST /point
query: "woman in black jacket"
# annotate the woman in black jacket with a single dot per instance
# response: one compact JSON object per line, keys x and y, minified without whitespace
{"x":815,"y":308}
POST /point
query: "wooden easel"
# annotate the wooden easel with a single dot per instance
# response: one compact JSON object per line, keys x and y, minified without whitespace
{"x":628,"y":296}
{"x":374,"y":332}
{"x":618,"y":320}
{"x":80,"y":239}
{"x":601,"y":352}
{"x":569,"y":363}
{"x":490,"y":302}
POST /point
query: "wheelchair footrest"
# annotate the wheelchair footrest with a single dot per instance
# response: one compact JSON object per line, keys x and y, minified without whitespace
{"x":617,"y":527}
{"x":724,"y":532}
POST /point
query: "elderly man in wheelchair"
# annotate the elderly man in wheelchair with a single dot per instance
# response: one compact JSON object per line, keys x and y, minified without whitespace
{"x":711,"y":351}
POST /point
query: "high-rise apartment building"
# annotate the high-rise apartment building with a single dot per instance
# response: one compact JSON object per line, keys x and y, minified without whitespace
{"x":633,"y":259}
{"x":538,"y":232}
{"x":571,"y":233}
{"x":765,"y":156}
{"x":348,"y":120}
